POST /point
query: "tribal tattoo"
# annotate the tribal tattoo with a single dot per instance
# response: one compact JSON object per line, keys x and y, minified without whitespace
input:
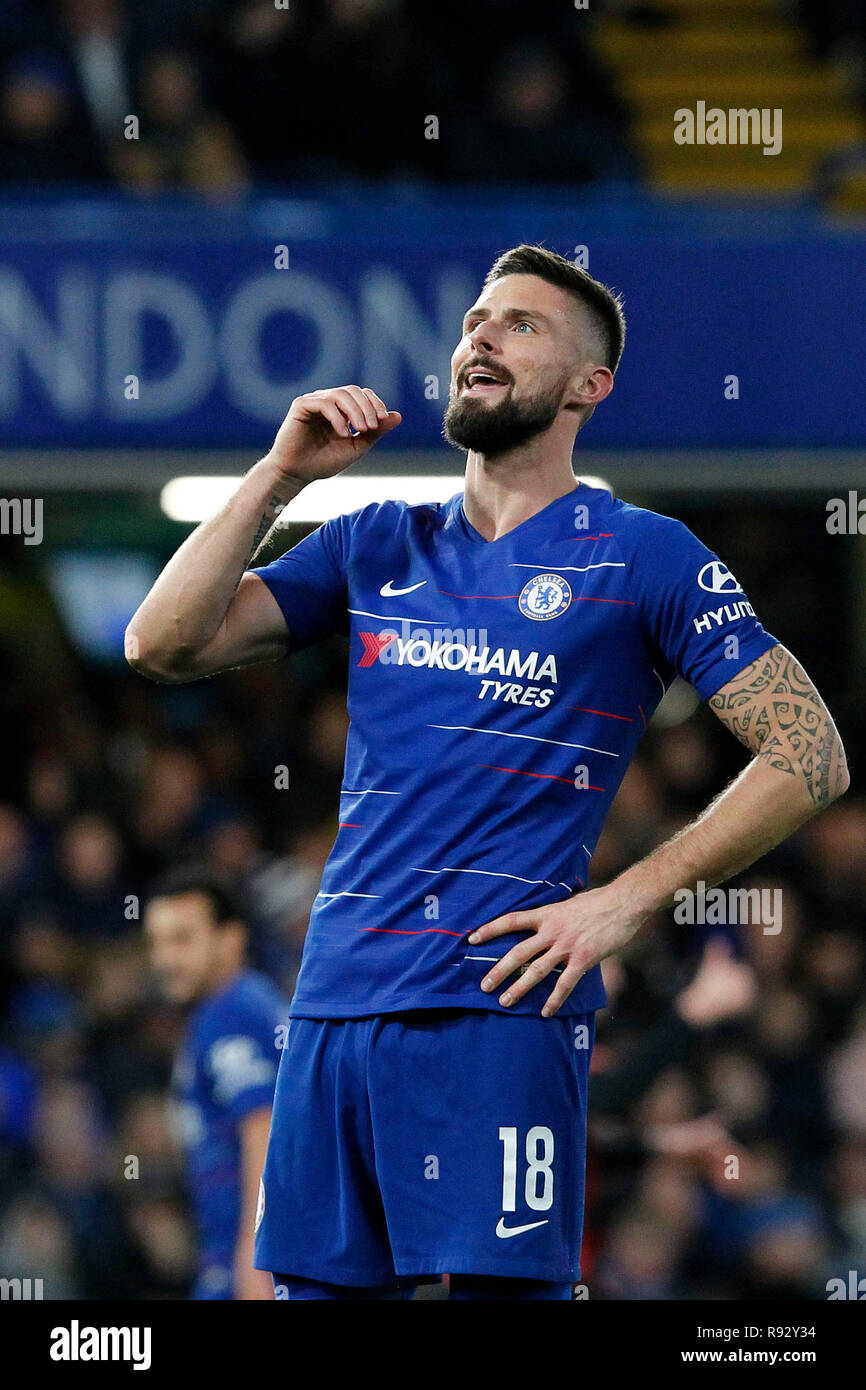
{"x":774,"y":709}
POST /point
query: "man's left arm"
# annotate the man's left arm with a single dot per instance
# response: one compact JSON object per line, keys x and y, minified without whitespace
{"x":797,"y":769}
{"x":253,"y":1129}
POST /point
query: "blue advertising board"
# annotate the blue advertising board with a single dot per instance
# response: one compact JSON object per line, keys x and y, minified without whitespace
{"x":129,"y":324}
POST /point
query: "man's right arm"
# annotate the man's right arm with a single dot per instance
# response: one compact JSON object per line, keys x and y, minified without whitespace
{"x":205,"y":613}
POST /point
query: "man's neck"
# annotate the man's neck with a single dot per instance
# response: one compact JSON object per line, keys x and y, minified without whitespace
{"x":502,"y":493}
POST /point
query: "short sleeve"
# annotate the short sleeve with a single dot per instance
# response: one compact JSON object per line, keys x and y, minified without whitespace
{"x":309,"y":584}
{"x":698,"y":617}
{"x":242,"y":1070}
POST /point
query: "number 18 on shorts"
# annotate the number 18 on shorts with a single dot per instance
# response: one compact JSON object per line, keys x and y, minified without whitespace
{"x":428,"y":1142}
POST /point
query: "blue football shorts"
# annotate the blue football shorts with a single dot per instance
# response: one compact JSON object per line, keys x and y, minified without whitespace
{"x":427,"y":1142}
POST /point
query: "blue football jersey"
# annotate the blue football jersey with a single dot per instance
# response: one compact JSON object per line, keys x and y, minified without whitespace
{"x":497,"y":692}
{"x":226,"y":1067}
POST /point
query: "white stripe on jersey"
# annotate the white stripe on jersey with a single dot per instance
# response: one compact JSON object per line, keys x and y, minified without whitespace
{"x":491,"y":873}
{"x":367,"y":791}
{"x":469,"y":728}
{"x":557,"y":969}
{"x":346,"y":894}
{"x":397,"y":618}
{"x":580,"y":569}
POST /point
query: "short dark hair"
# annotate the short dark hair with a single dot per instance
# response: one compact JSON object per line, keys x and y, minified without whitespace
{"x":200,"y":878}
{"x":603,"y":304}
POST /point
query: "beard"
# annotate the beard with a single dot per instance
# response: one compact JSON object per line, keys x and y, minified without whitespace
{"x":471,"y":424}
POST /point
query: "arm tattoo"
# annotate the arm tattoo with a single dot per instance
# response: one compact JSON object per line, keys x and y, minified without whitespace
{"x":774,"y":709}
{"x":269,"y":516}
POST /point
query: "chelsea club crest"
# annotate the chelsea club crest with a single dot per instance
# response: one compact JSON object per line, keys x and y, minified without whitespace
{"x":545,"y":596}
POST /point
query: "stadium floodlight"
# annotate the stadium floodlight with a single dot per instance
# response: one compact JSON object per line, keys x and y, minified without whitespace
{"x":195,"y":498}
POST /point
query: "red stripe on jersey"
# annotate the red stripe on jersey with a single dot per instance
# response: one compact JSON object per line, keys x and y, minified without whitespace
{"x":547,"y":776}
{"x":606,"y":714}
{"x":395,"y":931}
{"x":451,"y":595}
{"x":585,"y":598}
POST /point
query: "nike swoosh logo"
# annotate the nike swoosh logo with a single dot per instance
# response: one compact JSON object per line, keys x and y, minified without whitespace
{"x":504,"y":1231}
{"x":387,"y":590}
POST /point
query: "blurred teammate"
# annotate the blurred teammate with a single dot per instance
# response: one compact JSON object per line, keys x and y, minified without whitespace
{"x":225,"y":1072}
{"x":507,"y":650}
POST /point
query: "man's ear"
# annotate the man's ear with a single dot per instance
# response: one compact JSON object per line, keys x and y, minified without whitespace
{"x":589,"y":387}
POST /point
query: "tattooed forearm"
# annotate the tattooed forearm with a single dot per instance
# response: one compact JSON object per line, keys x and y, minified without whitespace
{"x":272,"y":510}
{"x":774,"y":709}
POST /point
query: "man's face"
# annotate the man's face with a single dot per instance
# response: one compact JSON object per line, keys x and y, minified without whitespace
{"x":184,"y":944}
{"x":522,"y":333}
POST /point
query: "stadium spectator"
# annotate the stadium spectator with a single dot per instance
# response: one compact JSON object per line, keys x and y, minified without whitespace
{"x":181,"y":143}
{"x":44,"y":132}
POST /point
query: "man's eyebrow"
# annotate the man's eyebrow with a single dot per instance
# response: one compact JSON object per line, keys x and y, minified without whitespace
{"x":479,"y":312}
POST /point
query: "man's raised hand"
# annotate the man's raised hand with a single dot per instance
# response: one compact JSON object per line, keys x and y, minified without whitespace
{"x":326,"y":431}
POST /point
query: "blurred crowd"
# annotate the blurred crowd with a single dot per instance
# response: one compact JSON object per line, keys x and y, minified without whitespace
{"x":836,"y":30}
{"x":728,"y":1111}
{"x":219,"y":96}
{"x":227,"y":93}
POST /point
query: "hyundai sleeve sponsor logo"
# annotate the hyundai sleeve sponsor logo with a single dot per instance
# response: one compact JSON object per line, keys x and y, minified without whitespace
{"x":726,"y":613}
{"x":716,"y":578}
